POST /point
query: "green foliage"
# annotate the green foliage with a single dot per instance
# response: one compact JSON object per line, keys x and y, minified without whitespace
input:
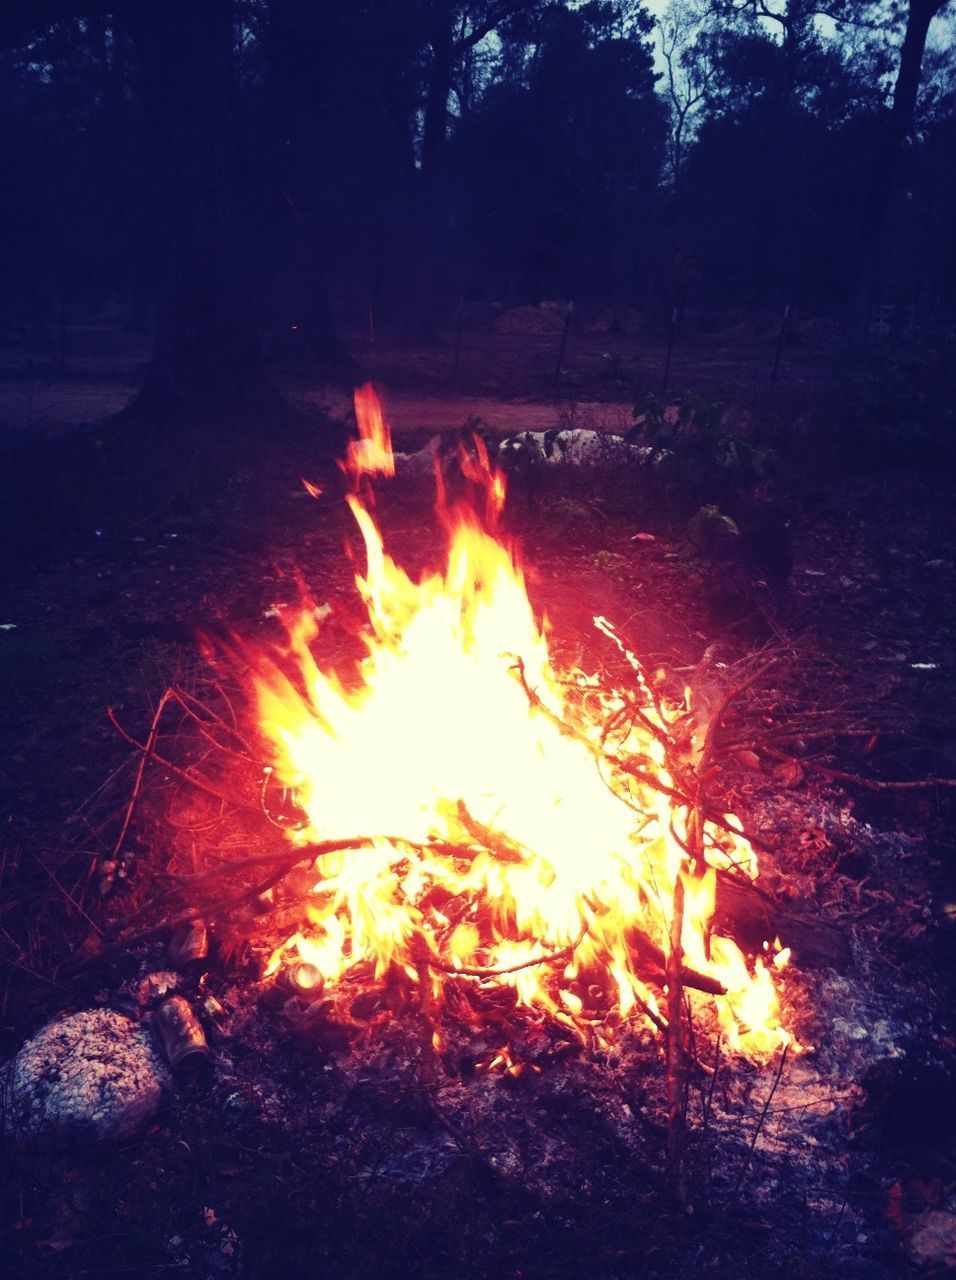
{"x":696,"y":452}
{"x":709,"y":531}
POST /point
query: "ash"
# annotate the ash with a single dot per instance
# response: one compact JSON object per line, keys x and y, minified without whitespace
{"x":92,"y":1077}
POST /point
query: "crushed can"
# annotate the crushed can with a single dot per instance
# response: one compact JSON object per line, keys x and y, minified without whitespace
{"x":181,"y":1033}
{"x":189,"y":945}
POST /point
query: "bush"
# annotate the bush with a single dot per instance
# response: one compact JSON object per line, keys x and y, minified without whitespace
{"x":700,"y":458}
{"x":900,"y":410}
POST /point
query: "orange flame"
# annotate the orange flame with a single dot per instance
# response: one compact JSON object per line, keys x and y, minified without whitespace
{"x":371,"y":453}
{"x":501,"y":849}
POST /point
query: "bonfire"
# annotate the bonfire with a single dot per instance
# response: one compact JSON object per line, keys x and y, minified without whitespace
{"x":473,"y":818}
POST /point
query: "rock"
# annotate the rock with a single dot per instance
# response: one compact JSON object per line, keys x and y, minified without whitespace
{"x":91,"y":1077}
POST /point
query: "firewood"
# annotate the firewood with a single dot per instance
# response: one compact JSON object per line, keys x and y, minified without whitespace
{"x":751,"y":918}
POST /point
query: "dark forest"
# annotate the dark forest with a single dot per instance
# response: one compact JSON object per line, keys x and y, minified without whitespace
{"x":258,"y":167}
{"x":477,"y":651}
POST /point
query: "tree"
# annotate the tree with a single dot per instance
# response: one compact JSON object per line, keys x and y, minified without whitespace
{"x":892,"y":134}
{"x":556,"y":171}
{"x":206,"y":359}
{"x":208,"y":247}
{"x":452,"y":31}
{"x":300,"y":35}
{"x":762,"y":213}
{"x":686,"y":74}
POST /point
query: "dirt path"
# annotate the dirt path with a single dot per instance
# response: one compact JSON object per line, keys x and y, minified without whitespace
{"x":53,"y":407}
{"x":411,"y":412}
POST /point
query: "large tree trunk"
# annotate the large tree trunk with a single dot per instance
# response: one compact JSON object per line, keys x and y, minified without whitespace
{"x":889,"y":147}
{"x":126,"y":178}
{"x":448,"y":42}
{"x":206,"y":355}
{"x":296,"y":36}
{"x":429,"y":220}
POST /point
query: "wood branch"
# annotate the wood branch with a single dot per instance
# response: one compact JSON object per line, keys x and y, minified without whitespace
{"x":206,"y":721}
{"x":485,"y":28}
{"x":869,"y":784}
{"x":757,"y":1131}
{"x":676,"y":1050}
{"x":145,"y":756}
{"x":194,"y":780}
{"x":752,"y":918}
{"x":551,"y":957}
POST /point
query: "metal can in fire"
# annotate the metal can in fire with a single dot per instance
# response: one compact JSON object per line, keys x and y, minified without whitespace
{"x":304,"y":980}
{"x":189,"y":945}
{"x":181,"y":1033}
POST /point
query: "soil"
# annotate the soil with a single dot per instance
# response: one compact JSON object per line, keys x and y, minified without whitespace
{"x":331,"y":1152}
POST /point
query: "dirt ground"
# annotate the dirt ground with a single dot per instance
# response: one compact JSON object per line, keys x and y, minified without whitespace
{"x":304,"y":1159}
{"x":512,"y":378}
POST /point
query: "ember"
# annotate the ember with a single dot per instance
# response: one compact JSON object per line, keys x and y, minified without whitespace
{"x":525,"y":826}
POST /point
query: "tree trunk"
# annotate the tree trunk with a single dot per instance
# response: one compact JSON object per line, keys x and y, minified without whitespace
{"x":126,"y":195}
{"x":886,"y":155}
{"x":430,"y":216}
{"x":295,"y":40}
{"x":205,"y":356}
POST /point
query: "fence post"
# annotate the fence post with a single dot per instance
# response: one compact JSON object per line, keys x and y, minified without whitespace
{"x":459,"y":320}
{"x":564,"y":341}
{"x":670,"y":349}
{"x":780,"y":338}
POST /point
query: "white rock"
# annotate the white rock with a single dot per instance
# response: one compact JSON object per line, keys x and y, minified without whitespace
{"x":91,"y":1077}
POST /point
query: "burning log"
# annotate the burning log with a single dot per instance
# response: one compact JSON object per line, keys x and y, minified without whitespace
{"x":652,"y":962}
{"x":750,"y":916}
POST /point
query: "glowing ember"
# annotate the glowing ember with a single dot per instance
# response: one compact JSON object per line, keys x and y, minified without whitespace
{"x":504,"y":847}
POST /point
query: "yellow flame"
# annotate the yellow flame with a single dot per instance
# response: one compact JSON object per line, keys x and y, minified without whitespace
{"x":372,"y":453}
{"x":500,"y":849}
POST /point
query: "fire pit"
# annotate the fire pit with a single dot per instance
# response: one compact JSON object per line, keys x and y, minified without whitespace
{"x":476,"y":821}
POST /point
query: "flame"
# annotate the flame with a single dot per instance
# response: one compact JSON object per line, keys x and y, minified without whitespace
{"x":371,"y":453}
{"x":502,"y":849}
